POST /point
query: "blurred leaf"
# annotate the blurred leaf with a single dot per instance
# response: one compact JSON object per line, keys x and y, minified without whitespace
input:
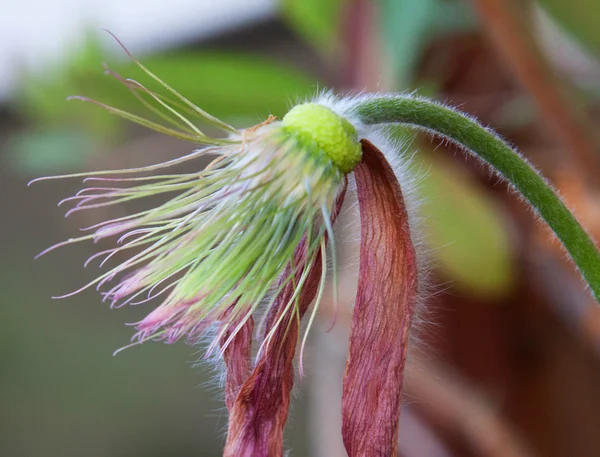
{"x":581,"y":18}
{"x":232,"y":85}
{"x":453,"y":17}
{"x":225,"y":84}
{"x":465,"y":231}
{"x":316,"y":21}
{"x":49,"y":152}
{"x":228,"y":85}
{"x":406,"y":25}
{"x":41,"y":97}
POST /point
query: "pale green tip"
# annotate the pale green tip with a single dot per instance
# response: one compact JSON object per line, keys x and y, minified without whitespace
{"x":333,"y":134}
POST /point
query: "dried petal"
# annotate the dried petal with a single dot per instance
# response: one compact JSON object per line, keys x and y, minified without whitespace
{"x":260,"y":411}
{"x":385,"y":301}
{"x":237,"y":357}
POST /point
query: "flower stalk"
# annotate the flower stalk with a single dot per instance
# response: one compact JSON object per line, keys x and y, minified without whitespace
{"x":486,"y":145}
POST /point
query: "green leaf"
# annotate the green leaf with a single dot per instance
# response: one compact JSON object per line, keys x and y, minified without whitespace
{"x":408,"y":25}
{"x":49,"y":152}
{"x":581,"y":18}
{"x":229,"y":85}
{"x":41,"y":97}
{"x":465,"y":230}
{"x":316,"y":21}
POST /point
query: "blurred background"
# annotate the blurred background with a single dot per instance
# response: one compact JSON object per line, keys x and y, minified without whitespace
{"x":509,"y":360}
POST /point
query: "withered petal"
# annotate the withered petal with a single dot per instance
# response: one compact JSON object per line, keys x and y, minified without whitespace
{"x":385,"y":301}
{"x":237,"y":357}
{"x":258,"y":414}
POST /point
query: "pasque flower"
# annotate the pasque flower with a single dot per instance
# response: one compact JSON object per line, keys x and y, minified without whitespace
{"x":249,"y":238}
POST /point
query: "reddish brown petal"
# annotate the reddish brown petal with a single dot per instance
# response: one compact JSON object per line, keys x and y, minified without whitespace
{"x":237,"y":357}
{"x":382,"y":315}
{"x":260,"y":410}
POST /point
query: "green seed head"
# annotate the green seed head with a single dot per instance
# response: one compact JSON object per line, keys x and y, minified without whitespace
{"x":333,"y":134}
{"x":227,"y":242}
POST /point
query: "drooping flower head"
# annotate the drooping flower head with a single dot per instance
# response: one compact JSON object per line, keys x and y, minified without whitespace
{"x":251,"y":232}
{"x":215,"y":249}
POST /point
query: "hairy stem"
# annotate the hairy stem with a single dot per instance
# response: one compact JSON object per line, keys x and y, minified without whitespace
{"x":488,"y":146}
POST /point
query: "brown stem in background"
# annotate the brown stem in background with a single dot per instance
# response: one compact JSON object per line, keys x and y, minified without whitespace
{"x":361,"y":67}
{"x":510,"y":34}
{"x":418,"y":438}
{"x":450,"y":403}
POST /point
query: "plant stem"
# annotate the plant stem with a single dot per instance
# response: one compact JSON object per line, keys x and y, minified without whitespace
{"x":453,"y":404}
{"x":488,"y":146}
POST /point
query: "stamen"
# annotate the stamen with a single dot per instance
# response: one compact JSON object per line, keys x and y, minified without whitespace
{"x":134,"y":87}
{"x":201,"y":113}
{"x":169,"y":163}
{"x":63,"y":243}
{"x":315,"y":305}
{"x":198,"y":138}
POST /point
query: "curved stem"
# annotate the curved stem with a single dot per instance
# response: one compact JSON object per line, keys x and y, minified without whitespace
{"x":488,"y":146}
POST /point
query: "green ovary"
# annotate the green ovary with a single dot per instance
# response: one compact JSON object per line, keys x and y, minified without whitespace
{"x":333,"y":134}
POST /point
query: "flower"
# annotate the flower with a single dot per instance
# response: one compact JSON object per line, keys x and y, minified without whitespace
{"x":246,"y":237}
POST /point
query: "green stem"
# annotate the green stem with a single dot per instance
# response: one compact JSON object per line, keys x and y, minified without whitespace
{"x":484,"y":143}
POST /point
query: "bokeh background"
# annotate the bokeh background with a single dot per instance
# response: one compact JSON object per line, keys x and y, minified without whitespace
{"x":508,"y":363}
